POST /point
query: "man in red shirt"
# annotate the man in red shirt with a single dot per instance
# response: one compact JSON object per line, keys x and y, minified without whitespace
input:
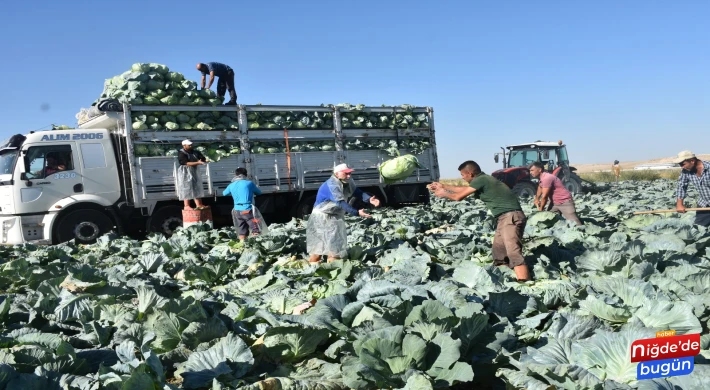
{"x":551,"y":187}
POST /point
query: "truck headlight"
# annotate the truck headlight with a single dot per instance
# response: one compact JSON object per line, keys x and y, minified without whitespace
{"x":8,"y":224}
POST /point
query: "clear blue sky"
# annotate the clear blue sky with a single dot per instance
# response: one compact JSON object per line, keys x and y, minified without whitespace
{"x":615,"y":80}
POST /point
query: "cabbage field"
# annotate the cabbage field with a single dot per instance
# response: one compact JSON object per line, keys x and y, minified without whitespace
{"x":418,"y":304}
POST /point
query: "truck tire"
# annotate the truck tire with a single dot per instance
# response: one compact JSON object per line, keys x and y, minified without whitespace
{"x":83,"y":226}
{"x":165,"y":220}
{"x":525,"y":189}
{"x":304,"y":207}
{"x":573,"y":185}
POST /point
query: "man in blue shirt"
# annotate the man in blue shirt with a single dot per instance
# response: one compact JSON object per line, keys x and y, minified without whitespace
{"x":694,"y":171}
{"x":243,"y":191}
{"x":326,"y":232}
{"x":226,"y":80}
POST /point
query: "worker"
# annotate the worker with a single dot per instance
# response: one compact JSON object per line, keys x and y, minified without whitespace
{"x":616,"y":168}
{"x":505,"y":207}
{"x":189,"y":179}
{"x":226,"y":80}
{"x":551,"y":188}
{"x":53,"y":166}
{"x":326,"y":233}
{"x":694,"y":171}
{"x":243,"y":191}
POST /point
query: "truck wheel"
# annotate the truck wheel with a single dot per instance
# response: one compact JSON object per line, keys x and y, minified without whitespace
{"x":83,"y":226}
{"x":525,"y":189}
{"x":573,"y":186}
{"x":304,"y":207}
{"x":165,"y":220}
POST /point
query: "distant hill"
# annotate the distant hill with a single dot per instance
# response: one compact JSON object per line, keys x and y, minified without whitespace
{"x":627,"y":165}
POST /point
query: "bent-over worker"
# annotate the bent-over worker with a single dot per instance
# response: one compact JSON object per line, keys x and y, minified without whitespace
{"x":189,"y":179}
{"x":225,"y":80}
{"x":694,"y":171}
{"x":551,"y":188}
{"x":505,"y":207}
{"x":243,"y":191}
{"x":326,"y":234}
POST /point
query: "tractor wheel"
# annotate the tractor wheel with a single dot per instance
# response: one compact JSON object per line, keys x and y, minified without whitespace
{"x":573,"y":185}
{"x":525,"y":189}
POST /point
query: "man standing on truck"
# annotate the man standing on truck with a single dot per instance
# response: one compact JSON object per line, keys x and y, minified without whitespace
{"x":505,"y":207}
{"x":551,"y":187}
{"x":694,"y":171}
{"x":243,"y":191}
{"x":326,"y":233}
{"x":226,"y":80}
{"x":189,"y":179}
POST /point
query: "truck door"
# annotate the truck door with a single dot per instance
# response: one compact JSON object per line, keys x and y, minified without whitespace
{"x":51,"y":173}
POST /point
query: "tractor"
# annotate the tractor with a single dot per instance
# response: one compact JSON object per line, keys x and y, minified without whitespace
{"x":517,"y":160}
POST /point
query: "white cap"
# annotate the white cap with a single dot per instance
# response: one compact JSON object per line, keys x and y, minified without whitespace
{"x":187,"y":142}
{"x":342,"y":168}
{"x":684,"y":155}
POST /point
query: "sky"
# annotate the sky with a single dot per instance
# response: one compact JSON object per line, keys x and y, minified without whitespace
{"x":614,"y":80}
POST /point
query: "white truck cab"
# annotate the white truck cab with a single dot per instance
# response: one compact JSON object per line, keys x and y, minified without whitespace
{"x":57,"y":185}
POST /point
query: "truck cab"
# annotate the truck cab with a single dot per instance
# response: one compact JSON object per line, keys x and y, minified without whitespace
{"x":57,"y":185}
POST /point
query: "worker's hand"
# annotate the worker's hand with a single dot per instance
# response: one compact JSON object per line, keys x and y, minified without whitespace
{"x":440,"y":193}
{"x":680,"y":208}
{"x":374,"y":201}
{"x":364,"y":214}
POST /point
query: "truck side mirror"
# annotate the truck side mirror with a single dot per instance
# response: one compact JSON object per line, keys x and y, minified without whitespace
{"x":495,"y":157}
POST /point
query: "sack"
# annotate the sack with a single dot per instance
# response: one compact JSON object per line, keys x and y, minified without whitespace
{"x":259,"y":220}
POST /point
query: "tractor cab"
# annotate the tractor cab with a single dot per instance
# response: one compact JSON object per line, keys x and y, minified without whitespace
{"x":517,"y":160}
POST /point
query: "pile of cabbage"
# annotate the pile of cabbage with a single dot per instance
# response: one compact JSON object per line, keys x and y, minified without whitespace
{"x":187,"y":120}
{"x":213,"y":151}
{"x":357,"y":118}
{"x":154,"y":85}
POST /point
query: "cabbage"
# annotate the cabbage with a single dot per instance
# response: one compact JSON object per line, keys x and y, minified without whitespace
{"x":138,"y":67}
{"x":399,"y":168}
{"x":183,"y":118}
{"x":203,"y":126}
{"x":155,"y":126}
{"x":273,"y":150}
{"x":170,"y":100}
{"x":158,"y":93}
{"x":150,"y":119}
{"x":156,"y":150}
{"x":151,"y":101}
{"x":141,"y":150}
{"x":185,"y":126}
{"x":167,"y":118}
{"x":175,"y":76}
{"x":172,"y":126}
{"x":139,"y":126}
{"x":172,"y":152}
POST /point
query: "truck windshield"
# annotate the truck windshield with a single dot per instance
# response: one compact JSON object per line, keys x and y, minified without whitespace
{"x":522,"y":157}
{"x":7,"y":162}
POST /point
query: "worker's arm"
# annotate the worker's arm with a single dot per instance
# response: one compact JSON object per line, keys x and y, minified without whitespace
{"x":538,"y":195}
{"x":255,"y":189}
{"x":211,"y":80}
{"x":453,"y":192}
{"x":681,"y":192}
{"x":227,"y":191}
{"x":202,"y":82}
{"x":543,"y":198}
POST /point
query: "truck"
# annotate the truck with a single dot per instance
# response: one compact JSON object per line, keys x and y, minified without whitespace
{"x":516,"y":162}
{"x":107,"y":182}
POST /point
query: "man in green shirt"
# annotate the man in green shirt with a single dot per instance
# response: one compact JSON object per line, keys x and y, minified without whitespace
{"x":505,"y":207}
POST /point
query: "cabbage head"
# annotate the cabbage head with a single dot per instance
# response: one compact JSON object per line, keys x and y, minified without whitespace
{"x":141,"y":150}
{"x":399,"y":168}
{"x":139,"y":126}
{"x":172,"y":126}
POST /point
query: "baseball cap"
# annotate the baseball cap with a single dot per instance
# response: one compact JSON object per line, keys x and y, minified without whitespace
{"x":187,"y":142}
{"x":684,"y":155}
{"x":342,"y":168}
